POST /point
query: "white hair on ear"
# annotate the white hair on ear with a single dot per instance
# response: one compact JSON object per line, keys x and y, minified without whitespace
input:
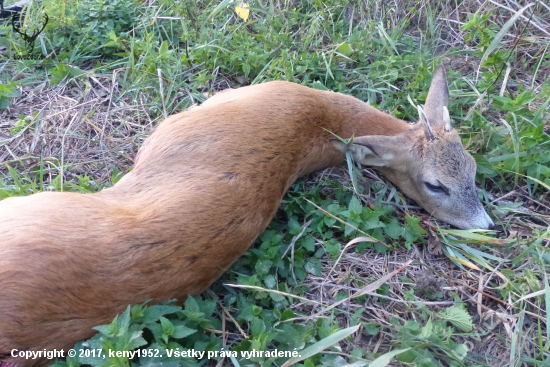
{"x":446,"y":119}
{"x":424,"y":119}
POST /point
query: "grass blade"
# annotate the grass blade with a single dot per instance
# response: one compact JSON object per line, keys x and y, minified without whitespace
{"x":547,"y":301}
{"x":224,"y":4}
{"x":322,"y":345}
{"x":500,"y":35}
{"x":386,"y":358}
{"x":481,"y":254}
{"x":472,"y":236}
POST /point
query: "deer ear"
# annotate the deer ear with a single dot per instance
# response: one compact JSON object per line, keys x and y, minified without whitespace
{"x":436,"y":114}
{"x":373,"y":150}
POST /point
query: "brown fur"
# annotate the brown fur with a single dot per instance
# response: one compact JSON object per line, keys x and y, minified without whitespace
{"x":205,"y":185}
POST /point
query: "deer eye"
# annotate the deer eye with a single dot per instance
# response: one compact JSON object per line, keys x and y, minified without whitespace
{"x":437,"y":189}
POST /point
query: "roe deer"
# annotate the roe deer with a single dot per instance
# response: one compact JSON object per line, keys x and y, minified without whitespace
{"x":205,"y":185}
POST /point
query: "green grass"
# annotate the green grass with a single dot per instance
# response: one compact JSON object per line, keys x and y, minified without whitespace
{"x":75,"y":119}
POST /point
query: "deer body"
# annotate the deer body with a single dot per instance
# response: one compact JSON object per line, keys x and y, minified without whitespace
{"x":205,"y":185}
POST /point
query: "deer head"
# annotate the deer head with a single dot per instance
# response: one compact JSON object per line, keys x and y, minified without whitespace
{"x":428,"y":162}
{"x":29,"y":39}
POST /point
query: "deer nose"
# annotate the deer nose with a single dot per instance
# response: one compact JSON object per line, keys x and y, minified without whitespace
{"x":491,"y":226}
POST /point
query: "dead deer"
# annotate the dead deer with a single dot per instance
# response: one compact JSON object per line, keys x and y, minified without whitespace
{"x":205,"y":185}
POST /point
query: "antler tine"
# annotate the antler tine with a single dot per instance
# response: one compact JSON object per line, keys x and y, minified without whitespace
{"x":46,"y":18}
{"x":38,"y":31}
{"x":15,"y":28}
{"x":25,"y":36}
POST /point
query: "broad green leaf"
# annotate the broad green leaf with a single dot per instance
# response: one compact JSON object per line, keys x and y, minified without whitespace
{"x":458,"y":316}
{"x":181,"y":331}
{"x":345,"y":49}
{"x":153,"y":313}
{"x":355,"y":205}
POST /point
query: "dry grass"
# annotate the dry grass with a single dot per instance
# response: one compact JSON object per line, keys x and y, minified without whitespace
{"x":88,"y":132}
